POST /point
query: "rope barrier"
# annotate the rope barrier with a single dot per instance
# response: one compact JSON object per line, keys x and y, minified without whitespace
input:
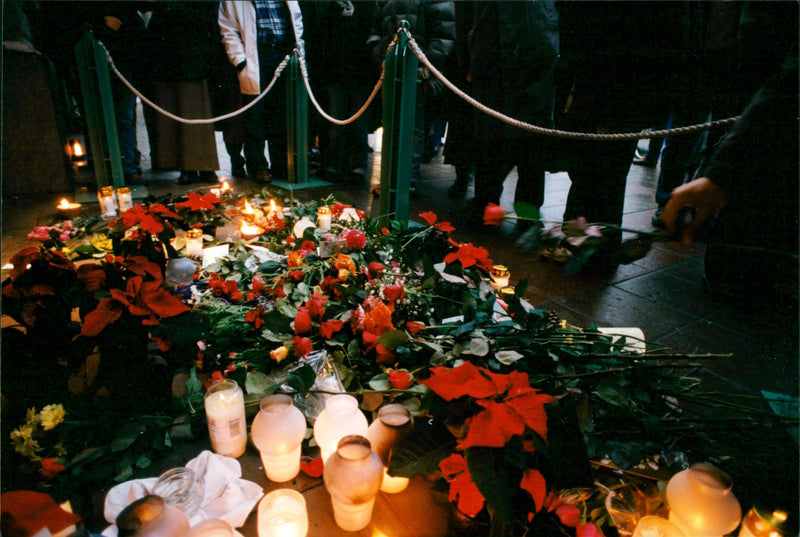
{"x":676,"y":131}
{"x":278,"y":71}
{"x":554,"y":132}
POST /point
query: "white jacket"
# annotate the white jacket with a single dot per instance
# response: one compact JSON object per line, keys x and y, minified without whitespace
{"x":237,"y":25}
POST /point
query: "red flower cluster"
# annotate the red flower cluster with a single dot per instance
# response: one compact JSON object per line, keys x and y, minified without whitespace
{"x":355,"y":239}
{"x":308,"y":316}
{"x":227,"y":289}
{"x":149,"y":219}
{"x":470,"y":255}
{"x":431,"y":219}
{"x":199,"y":202}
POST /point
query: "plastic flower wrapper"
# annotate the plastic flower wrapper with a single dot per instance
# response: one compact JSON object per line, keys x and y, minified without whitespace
{"x":326,"y":379}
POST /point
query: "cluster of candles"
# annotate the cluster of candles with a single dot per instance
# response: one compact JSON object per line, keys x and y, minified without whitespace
{"x":355,"y":454}
{"x":112,"y":200}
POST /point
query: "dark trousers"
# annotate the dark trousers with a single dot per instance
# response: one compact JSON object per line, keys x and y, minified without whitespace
{"x":266,"y":122}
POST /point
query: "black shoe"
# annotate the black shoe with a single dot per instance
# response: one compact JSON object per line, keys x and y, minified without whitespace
{"x":261,"y":176}
{"x":237,"y":171}
{"x":188,"y":177}
{"x":134,"y":178}
{"x":656,"y":221}
{"x":208,"y":177}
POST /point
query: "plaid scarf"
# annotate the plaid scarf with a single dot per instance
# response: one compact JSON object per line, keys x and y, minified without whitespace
{"x":270,"y":21}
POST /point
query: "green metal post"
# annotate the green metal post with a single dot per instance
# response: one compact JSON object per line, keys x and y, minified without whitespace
{"x":98,"y":107}
{"x":399,"y":96}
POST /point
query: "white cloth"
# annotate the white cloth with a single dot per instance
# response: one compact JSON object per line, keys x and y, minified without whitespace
{"x":237,"y":26}
{"x":225,"y":495}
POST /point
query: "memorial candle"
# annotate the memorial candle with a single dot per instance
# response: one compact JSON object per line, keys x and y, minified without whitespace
{"x":324,"y":218}
{"x":125,"y":198}
{"x":282,"y":513}
{"x":224,"y":404}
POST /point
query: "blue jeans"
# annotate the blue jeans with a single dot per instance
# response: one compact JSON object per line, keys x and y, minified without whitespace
{"x":125,"y":111}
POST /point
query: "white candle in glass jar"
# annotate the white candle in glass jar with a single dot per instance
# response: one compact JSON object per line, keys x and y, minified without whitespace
{"x":125,"y":198}
{"x":224,"y":404}
{"x":324,"y":218}
{"x":108,"y":202}
{"x":500,"y":277}
{"x":282,"y":513}
{"x":194,"y":242}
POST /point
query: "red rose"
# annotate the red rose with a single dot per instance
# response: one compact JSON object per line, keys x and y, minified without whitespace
{"x":51,"y":468}
{"x":355,"y":239}
{"x":493,"y":215}
{"x":376,"y":269}
{"x":414,"y":326}
{"x":308,"y":245}
{"x":400,"y":379}
{"x":328,"y":328}
{"x":296,"y":275}
{"x":302,"y":321}
{"x":394,"y":293}
{"x":302,"y":346}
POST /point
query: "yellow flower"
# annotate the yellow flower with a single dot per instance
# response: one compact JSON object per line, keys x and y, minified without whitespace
{"x":23,"y":442}
{"x":52,"y":415}
{"x":31,"y":416}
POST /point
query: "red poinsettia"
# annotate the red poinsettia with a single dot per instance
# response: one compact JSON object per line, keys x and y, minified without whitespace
{"x":199,"y":202}
{"x":510,"y":404}
{"x":462,"y":488}
{"x":493,"y":215}
{"x":147,"y":218}
{"x":469,"y":255}
{"x":431,"y":219}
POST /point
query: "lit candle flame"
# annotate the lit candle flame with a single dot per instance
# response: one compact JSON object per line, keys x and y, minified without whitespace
{"x":64,"y":204}
{"x":249,"y":230}
{"x":77,"y":149}
{"x":225,"y":186}
{"x":272,"y":206}
{"x":247,"y":208}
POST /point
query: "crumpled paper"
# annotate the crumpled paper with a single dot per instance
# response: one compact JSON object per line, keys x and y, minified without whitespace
{"x":226,"y":495}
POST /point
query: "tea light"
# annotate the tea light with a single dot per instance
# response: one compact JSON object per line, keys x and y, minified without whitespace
{"x":250,"y":231}
{"x":324,"y":218}
{"x":274,"y":210}
{"x":500,"y":277}
{"x":194,"y":242}
{"x":224,"y":404}
{"x":108,"y":202}
{"x":282,"y":513}
{"x":125,"y":198}
{"x":251,"y":215}
{"x":67,"y":209}
{"x":759,"y":522}
{"x":653,"y":526}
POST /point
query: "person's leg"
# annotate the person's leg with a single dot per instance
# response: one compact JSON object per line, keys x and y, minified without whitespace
{"x":198,"y":143}
{"x":125,"y":111}
{"x":254,"y":138}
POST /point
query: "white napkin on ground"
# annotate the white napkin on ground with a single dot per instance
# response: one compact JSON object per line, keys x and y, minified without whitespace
{"x":226,"y":494}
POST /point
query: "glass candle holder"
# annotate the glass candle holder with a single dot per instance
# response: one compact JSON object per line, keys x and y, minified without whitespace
{"x":278,"y":431}
{"x":324,"y":218}
{"x":151,"y":516}
{"x":282,"y":513}
{"x":653,"y":526}
{"x":701,"y":503}
{"x":761,"y":522}
{"x":340,"y":417}
{"x":108,"y":202}
{"x":194,"y":242}
{"x":125,"y":198}
{"x":500,"y":277}
{"x":181,"y":488}
{"x":66,"y":209}
{"x":214,"y":527}
{"x":353,"y":476}
{"x":393,"y":422}
{"x":224,"y":404}
{"x":507,"y":293}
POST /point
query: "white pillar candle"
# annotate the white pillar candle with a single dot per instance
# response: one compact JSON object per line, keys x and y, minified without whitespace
{"x":393,"y":485}
{"x":224,"y":404}
{"x":324,"y":218}
{"x":214,"y":527}
{"x":282,"y":513}
{"x":108,"y":202}
{"x":125,"y":198}
{"x":194,"y":243}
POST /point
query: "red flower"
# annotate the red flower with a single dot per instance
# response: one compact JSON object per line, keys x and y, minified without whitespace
{"x":196,"y":202}
{"x":414,"y":326}
{"x":587,"y":530}
{"x":384,"y":230}
{"x":493,"y":215}
{"x":376,"y":269}
{"x":394,"y":293}
{"x":51,"y":468}
{"x":400,"y":379}
{"x":469,"y":255}
{"x":533,"y":481}
{"x":355,"y":239}
{"x":312,"y":468}
{"x":296,"y":275}
{"x":316,"y":306}
{"x":383,"y":355}
{"x":328,"y":328}
{"x":431,"y":218}
{"x":257,"y":289}
{"x":228,"y":289}
{"x":160,"y":209}
{"x":92,"y":276}
{"x":302,"y":321}
{"x":302,"y":346}
{"x":308,"y":246}
{"x":256,"y":316}
{"x":455,"y":471}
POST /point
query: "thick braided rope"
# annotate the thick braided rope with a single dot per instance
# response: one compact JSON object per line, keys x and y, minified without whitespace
{"x":554,"y":132}
{"x":179,"y":119}
{"x":359,"y":113}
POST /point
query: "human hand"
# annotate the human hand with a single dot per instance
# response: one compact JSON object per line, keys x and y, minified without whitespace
{"x":704,"y":196}
{"x":112,"y":22}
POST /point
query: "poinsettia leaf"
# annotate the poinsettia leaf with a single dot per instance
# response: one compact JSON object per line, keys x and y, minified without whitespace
{"x":143,"y":461}
{"x":493,"y":480}
{"x":302,"y":378}
{"x":107,"y":312}
{"x":393,"y":338}
{"x":421,"y":450}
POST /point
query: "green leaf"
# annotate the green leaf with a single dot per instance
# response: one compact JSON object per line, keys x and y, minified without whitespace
{"x":143,"y":461}
{"x":127,"y":436}
{"x":393,"y":339}
{"x":88,"y":455}
{"x":527,"y":210}
{"x":124,"y":475}
{"x":257,"y":382}
{"x":421,"y":450}
{"x":302,"y":378}
{"x":492,"y":478}
{"x":380,"y":382}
